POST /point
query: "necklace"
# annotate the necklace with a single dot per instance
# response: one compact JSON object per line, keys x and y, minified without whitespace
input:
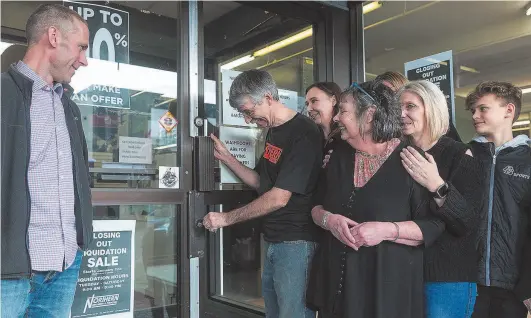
{"x":369,"y":156}
{"x":366,"y":165}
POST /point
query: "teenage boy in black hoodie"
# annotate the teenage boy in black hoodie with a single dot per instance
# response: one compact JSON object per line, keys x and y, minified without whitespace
{"x":504,"y":231}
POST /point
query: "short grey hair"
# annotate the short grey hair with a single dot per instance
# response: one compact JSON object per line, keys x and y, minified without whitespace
{"x":386,"y":123}
{"x":435,"y":106}
{"x":252,"y":84}
{"x":48,"y":15}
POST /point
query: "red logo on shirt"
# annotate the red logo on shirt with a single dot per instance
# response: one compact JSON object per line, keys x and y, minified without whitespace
{"x":272,"y":153}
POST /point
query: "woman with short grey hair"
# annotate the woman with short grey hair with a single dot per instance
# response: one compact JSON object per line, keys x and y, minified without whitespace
{"x":453,"y":178}
{"x":375,"y":215}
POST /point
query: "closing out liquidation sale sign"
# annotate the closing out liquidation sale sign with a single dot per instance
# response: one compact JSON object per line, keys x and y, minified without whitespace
{"x":106,"y":278}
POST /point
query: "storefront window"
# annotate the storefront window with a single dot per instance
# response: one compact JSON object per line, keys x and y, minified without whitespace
{"x":128,"y":92}
{"x":127,"y":96}
{"x":488,"y":41}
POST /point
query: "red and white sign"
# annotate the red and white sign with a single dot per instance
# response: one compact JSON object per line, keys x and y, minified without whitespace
{"x":168,"y":122}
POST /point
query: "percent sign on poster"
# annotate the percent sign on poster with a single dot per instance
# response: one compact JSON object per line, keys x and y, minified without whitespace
{"x":109,"y":31}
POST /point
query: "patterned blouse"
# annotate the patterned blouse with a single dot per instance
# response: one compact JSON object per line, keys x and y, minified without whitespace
{"x":366,"y":165}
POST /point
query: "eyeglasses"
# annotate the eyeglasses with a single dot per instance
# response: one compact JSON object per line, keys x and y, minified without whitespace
{"x":246,"y":112}
{"x":356,"y":85}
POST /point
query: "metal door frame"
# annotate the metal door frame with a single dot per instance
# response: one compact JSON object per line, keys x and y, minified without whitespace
{"x":180,"y":196}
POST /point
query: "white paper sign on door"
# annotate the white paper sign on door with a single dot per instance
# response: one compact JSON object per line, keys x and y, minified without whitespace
{"x":241,"y":143}
{"x":288,"y":98}
{"x":231,"y":116}
{"x":135,"y":150}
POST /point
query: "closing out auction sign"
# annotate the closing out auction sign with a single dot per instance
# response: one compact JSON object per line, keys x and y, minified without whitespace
{"x":105,"y":286}
{"x":109,"y":41}
{"x":437,"y":69}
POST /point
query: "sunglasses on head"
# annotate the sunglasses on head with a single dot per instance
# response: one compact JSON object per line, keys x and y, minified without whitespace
{"x":357,"y":86}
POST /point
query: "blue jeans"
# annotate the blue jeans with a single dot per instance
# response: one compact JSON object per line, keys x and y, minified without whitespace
{"x":43,"y":294}
{"x":286,"y":270}
{"x":450,"y":300}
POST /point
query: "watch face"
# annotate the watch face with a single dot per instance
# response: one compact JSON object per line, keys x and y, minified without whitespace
{"x":442,"y":191}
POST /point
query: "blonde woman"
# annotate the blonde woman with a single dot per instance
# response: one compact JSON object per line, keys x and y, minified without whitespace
{"x":452,"y":176}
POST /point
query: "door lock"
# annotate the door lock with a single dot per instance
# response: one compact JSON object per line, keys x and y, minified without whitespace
{"x":199,"y":223}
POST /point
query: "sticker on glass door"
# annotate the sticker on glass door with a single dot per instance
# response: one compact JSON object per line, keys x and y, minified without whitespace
{"x":168,"y":177}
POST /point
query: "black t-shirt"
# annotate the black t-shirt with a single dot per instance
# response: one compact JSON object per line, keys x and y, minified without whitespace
{"x":291,"y":161}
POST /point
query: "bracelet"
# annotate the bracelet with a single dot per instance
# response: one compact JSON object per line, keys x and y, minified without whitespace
{"x":325,"y":219}
{"x":397,"y":232}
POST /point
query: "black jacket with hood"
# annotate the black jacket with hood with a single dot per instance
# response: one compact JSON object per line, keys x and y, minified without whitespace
{"x":505,"y":228}
{"x":15,"y":142}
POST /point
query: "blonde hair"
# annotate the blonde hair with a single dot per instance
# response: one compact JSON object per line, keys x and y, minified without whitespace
{"x":436,"y":108}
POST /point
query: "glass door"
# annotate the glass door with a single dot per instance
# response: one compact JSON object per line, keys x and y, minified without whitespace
{"x":134,"y":108}
{"x":282,"y":39}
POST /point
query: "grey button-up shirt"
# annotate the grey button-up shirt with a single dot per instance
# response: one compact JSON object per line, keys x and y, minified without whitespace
{"x":52,"y":228}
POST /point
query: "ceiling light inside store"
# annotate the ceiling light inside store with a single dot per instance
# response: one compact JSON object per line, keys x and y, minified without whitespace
{"x":468,"y":69}
{"x":528,"y":11}
{"x":238,"y":62}
{"x":526,"y":90}
{"x":371,"y":6}
{"x":288,"y":41}
{"x":136,"y":94}
{"x":521,"y":123}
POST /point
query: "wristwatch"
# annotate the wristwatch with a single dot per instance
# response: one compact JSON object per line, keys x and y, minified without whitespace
{"x":441,"y":191}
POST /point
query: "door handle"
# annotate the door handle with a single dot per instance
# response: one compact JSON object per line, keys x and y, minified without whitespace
{"x":199,"y":225}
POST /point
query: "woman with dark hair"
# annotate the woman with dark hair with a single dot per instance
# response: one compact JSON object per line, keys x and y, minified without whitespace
{"x":322,"y":101}
{"x":374,"y":216}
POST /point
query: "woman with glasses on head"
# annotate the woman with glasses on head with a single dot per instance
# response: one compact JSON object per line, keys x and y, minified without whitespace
{"x":453,"y":178}
{"x":375,"y":215}
{"x":322,"y":101}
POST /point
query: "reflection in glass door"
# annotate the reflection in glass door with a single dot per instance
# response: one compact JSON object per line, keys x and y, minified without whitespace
{"x":238,"y":259}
